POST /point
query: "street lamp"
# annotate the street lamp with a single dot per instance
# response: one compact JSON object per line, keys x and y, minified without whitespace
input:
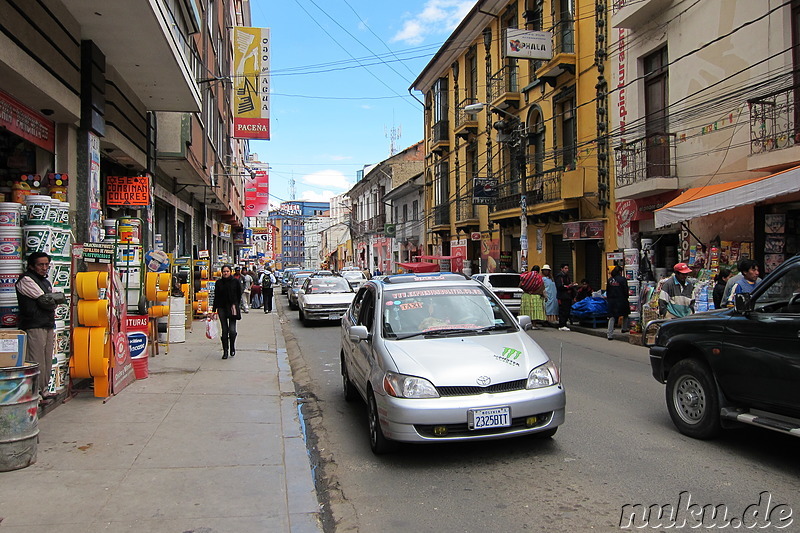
{"x":513,"y":129}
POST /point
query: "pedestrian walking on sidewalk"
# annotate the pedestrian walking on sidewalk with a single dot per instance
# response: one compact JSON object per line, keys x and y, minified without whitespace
{"x":532,"y":303}
{"x":255,"y":290}
{"x":617,"y":298}
{"x":550,"y":300}
{"x":227,"y":304}
{"x":268,"y":281}
{"x":247,"y":283}
{"x":37,"y":316}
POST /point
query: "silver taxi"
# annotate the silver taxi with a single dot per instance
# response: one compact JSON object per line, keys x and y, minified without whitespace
{"x":436,"y":357}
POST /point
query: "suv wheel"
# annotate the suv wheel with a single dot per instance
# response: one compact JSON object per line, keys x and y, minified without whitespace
{"x":692,"y":399}
{"x":347,"y":385}
{"x":377,"y":441}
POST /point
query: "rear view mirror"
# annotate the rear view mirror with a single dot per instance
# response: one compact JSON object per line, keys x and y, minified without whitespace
{"x":741,"y":302}
{"x":358,"y":333}
{"x":525,"y":322}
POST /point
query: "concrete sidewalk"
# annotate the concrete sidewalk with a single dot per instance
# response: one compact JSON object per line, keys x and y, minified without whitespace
{"x":202,"y":445}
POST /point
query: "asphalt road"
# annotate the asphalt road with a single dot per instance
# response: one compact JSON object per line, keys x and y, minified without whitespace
{"x":617,"y":447}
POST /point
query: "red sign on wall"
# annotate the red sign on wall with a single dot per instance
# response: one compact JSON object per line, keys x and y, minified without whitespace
{"x":26,"y":123}
{"x":256,"y":195}
{"x":129,"y":191}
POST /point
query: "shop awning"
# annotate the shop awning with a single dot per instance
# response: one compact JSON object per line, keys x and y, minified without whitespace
{"x":701,"y":201}
{"x":420,"y":266}
{"x":436,"y":257}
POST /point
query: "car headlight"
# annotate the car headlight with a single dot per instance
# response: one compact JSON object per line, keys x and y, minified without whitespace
{"x":543,"y":376}
{"x":402,"y":386}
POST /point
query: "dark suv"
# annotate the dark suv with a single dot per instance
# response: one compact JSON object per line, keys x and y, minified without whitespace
{"x":732,"y":366}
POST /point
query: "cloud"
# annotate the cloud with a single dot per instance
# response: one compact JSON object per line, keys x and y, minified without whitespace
{"x":436,"y":17}
{"x":314,"y":196}
{"x":328,"y":178}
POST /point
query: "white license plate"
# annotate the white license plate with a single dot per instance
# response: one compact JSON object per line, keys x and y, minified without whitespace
{"x":496,"y":417}
{"x":334,"y":316}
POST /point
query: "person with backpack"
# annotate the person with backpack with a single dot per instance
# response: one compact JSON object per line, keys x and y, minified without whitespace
{"x":255,"y":290}
{"x":267,"y":281}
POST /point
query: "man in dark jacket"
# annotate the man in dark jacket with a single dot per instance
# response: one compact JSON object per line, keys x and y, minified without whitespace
{"x":37,"y":316}
{"x":617,"y":298}
{"x":565,"y":292}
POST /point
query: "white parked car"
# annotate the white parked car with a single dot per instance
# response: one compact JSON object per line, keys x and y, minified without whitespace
{"x":437,"y":358}
{"x":505,"y":285}
{"x":324,"y":298}
{"x":356,"y":278}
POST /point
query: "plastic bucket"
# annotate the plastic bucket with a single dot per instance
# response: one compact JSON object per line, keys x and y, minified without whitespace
{"x":140,"y":369}
{"x":63,"y":310}
{"x":110,"y":227}
{"x":59,"y":241}
{"x":37,"y":238}
{"x":129,"y":230}
{"x":10,"y":245}
{"x":62,"y":337}
{"x":63,"y":213}
{"x":10,"y":214}
{"x":60,"y":274}
{"x":53,"y":214}
{"x":9,"y":310}
{"x":19,"y":419}
{"x":9,"y":274}
{"x":38,"y":208}
{"x":129,"y":255}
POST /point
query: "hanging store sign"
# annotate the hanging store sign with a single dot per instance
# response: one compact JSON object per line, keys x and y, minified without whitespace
{"x":583,"y":230}
{"x":24,"y":122}
{"x":251,"y":47}
{"x":256,"y":195}
{"x":485,"y":191}
{"x":224,"y":230}
{"x":128,"y":191}
{"x":529,"y":44}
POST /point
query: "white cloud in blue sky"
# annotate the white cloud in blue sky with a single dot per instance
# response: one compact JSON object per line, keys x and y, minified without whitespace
{"x":436,"y":17}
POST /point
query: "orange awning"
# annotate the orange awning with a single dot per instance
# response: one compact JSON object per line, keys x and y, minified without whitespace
{"x":701,"y":201}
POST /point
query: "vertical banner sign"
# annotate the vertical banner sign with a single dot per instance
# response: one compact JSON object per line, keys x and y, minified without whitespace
{"x":95,"y":210}
{"x":251,"y":50}
{"x":256,"y":195}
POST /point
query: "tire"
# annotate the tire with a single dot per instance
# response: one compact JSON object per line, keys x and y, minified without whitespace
{"x":348,"y":391}
{"x":692,"y":399}
{"x":379,"y":444}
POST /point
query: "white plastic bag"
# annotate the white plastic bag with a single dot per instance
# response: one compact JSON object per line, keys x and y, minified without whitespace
{"x":212,"y":328}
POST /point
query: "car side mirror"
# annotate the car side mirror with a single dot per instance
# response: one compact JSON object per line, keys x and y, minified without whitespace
{"x":741,"y":302}
{"x":525,"y":322}
{"x":358,"y":333}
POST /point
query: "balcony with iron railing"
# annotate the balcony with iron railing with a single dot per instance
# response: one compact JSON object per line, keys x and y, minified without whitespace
{"x":774,"y":130}
{"x":540,"y":188}
{"x":504,"y":87}
{"x":465,"y":121}
{"x":439,"y":138}
{"x":646,"y":166}
{"x":441,"y":215}
{"x":563,"y":52}
{"x":466,"y":211}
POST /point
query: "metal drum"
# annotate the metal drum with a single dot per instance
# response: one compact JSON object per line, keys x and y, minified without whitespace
{"x":19,"y":418}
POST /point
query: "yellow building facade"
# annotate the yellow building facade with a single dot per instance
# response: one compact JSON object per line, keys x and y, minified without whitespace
{"x":507,"y":136}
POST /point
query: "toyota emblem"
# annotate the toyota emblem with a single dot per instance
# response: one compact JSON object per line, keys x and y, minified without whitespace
{"x":483,"y":381}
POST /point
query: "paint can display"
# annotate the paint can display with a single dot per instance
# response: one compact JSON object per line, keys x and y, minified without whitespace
{"x":38,"y":208}
{"x":9,"y":274}
{"x":129,"y":230}
{"x":37,"y":238}
{"x":9,"y":310}
{"x":11,"y":240}
{"x":110,"y":227}
{"x":10,"y":214}
{"x":19,"y":434}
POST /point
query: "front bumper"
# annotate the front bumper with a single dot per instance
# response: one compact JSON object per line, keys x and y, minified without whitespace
{"x":324,"y":314}
{"x":657,"y":354}
{"x":412,"y":420}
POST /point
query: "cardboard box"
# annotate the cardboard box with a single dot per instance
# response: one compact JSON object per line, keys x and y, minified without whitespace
{"x":13,"y":346}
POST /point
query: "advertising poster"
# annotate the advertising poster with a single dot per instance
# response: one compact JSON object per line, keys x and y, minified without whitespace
{"x":490,"y":254}
{"x":256,"y":195}
{"x":251,"y":60}
{"x":458,"y":249}
{"x":95,"y":209}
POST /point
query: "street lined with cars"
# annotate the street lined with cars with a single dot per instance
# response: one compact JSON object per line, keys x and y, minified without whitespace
{"x":617,"y":447}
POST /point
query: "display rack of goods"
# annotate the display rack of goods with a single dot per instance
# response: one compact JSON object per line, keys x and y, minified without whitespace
{"x":92,"y":346}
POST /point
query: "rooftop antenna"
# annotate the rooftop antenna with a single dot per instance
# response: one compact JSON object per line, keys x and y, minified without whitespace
{"x":292,"y":188}
{"x":393,"y":135}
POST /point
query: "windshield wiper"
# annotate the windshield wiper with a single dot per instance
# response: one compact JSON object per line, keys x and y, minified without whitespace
{"x":497,"y":327}
{"x":440,"y":332}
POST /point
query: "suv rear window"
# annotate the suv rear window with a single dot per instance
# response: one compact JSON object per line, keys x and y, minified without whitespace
{"x":505,"y":281}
